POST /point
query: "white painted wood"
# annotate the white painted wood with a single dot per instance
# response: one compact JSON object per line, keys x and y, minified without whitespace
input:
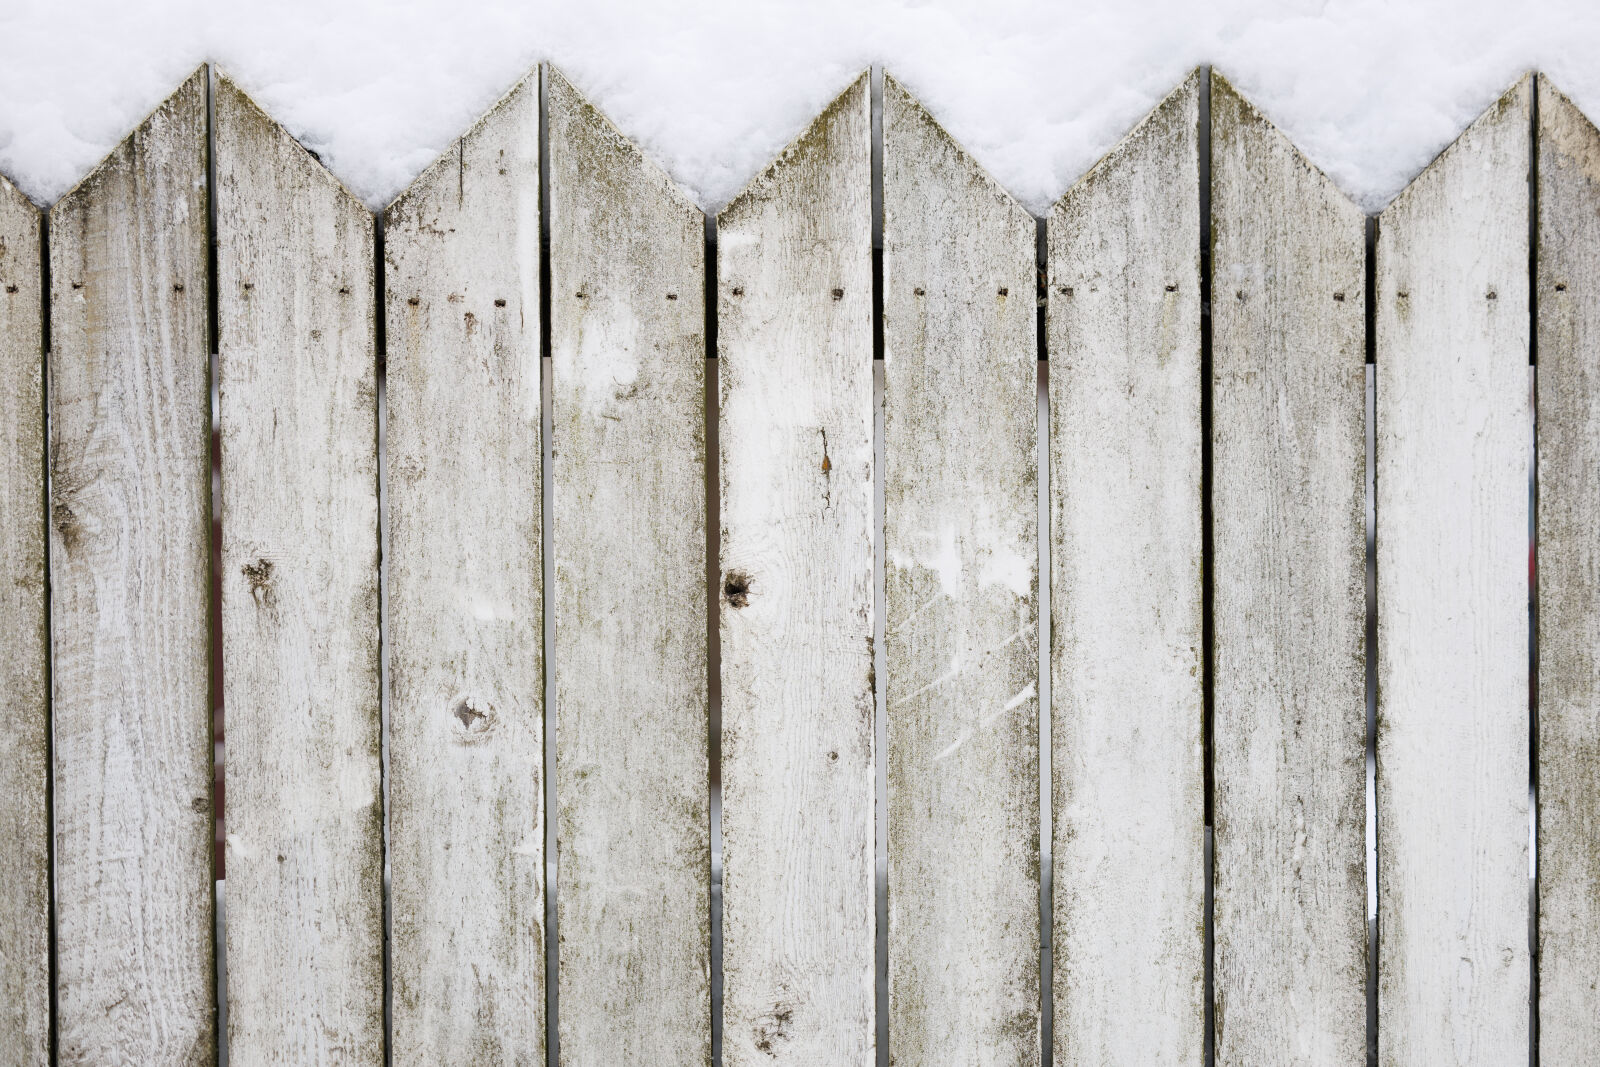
{"x":1452,"y":476}
{"x":465,"y":600}
{"x":24,"y":647}
{"x":1128,"y":802}
{"x":961,"y":565}
{"x":794,"y":336}
{"x":130,"y":594}
{"x":627,"y":337}
{"x":1289,"y":720}
{"x":298,"y":367}
{"x":1567,"y":296}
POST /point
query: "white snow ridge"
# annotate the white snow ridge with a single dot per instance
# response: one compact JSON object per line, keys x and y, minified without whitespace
{"x":1370,"y":90}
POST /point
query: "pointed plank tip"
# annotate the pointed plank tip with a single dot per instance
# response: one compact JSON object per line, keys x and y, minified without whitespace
{"x":1180,"y":107}
{"x":854,"y":98}
{"x":189,"y":96}
{"x":523,"y":94}
{"x":1512,"y":110}
{"x":1237,"y":122}
{"x":233,"y":106}
{"x":571,"y":109}
{"x":1565,"y":127}
{"x":902,"y":107}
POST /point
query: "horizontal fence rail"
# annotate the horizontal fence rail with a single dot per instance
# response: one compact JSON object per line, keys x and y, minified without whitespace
{"x":460,"y":600}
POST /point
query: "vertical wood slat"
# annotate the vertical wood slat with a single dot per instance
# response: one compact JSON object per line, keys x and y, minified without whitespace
{"x":24,"y":646}
{"x":1129,"y":804}
{"x":465,"y":607}
{"x":130,"y":569}
{"x":1567,"y":295}
{"x":1289,"y":727}
{"x":962,"y":628}
{"x":298,"y":388}
{"x":794,"y":330}
{"x":1452,"y":478}
{"x":627,"y":328}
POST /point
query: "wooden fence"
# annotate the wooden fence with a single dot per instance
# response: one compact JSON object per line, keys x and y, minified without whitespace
{"x":410,"y":559}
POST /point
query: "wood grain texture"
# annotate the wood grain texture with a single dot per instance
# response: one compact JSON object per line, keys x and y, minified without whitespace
{"x":24,"y":646}
{"x":1129,"y":801}
{"x":961,"y":566}
{"x":129,"y":574}
{"x":1289,"y":725}
{"x":465,"y":607}
{"x":1452,"y":476}
{"x":627,"y":337}
{"x":794,"y":333}
{"x":1567,"y":296}
{"x":298,"y":387}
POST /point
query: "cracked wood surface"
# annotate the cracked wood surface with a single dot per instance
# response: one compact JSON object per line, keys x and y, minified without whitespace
{"x":298,"y":389}
{"x":961,"y":567}
{"x":794,"y":337}
{"x":130,"y":596}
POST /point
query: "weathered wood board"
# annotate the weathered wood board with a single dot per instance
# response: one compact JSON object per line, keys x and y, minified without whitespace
{"x":1289,"y":721}
{"x":298,"y":387}
{"x":961,"y":565}
{"x":465,"y":599}
{"x":1129,"y":797}
{"x":627,"y":338}
{"x":24,"y":645}
{"x":1452,"y":555}
{"x":130,"y":596}
{"x":794,"y":337}
{"x":1567,"y":296}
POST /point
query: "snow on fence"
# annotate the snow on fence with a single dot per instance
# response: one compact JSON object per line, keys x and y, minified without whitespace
{"x":1203,"y":523}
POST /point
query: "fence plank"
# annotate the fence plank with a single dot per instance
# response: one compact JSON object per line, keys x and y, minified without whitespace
{"x":1129,"y":804}
{"x":24,"y":646}
{"x":1452,"y":439}
{"x":1567,"y":296}
{"x":1289,"y":723}
{"x":961,"y":560}
{"x":465,"y":600}
{"x":627,"y":330}
{"x":297,"y":365}
{"x":794,"y":330}
{"x":129,"y":573}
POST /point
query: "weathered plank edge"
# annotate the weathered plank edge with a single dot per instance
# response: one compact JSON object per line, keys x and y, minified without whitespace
{"x":1185,"y":95}
{"x":516,"y":114}
{"x":228,"y":94}
{"x":29,"y":905}
{"x":620,"y":1018}
{"x":203,"y":1009}
{"x":1568,"y":945}
{"x":984,"y":1019}
{"x":766,"y":183}
{"x":1302,"y":1018}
